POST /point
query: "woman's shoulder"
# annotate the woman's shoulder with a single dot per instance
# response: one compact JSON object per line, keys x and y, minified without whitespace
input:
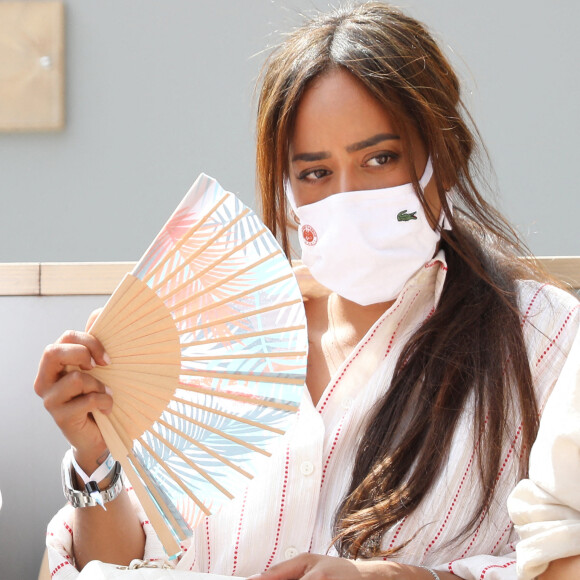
{"x":539,"y":299}
{"x":550,"y":319}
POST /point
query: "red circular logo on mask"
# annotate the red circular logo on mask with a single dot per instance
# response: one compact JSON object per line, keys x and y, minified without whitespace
{"x":309,"y":235}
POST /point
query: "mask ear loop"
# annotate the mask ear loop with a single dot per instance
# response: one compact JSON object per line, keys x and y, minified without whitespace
{"x":290,"y":196}
{"x":443,"y":223}
{"x":292,"y":214}
{"x":292,"y":202}
{"x":427,"y":174}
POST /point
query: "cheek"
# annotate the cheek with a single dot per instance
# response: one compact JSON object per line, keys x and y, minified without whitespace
{"x":305,"y":194}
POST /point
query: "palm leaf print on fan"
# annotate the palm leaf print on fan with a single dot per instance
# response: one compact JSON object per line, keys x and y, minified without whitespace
{"x":207,"y":338}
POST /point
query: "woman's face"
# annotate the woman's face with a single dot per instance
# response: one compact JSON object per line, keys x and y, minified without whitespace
{"x":344,"y":140}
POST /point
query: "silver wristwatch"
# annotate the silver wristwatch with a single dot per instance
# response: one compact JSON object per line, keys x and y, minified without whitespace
{"x":86,"y":498}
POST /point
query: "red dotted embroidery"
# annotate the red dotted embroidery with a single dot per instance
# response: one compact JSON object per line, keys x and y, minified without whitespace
{"x":145,"y":523}
{"x":334,"y":443}
{"x":511,"y":450}
{"x":238,"y":534}
{"x":208,"y":545}
{"x":394,"y":539}
{"x":431,"y":312}
{"x":60,"y":567}
{"x":361,"y":347}
{"x":282,"y":508}
{"x":501,"y":470}
{"x":525,"y":317}
{"x":473,"y":538}
{"x":507,"y":529}
{"x":506,"y":565}
{"x":441,"y":265}
{"x":452,"y":507}
{"x":553,"y":341}
{"x":193,"y":564}
{"x":67,"y":528}
{"x":390,"y":345}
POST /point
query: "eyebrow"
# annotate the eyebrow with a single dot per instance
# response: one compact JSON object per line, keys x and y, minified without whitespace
{"x":318,"y":156}
{"x":374,"y":140}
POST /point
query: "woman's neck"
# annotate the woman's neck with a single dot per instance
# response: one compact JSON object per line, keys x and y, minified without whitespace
{"x":352,"y":319}
{"x":335,"y":326}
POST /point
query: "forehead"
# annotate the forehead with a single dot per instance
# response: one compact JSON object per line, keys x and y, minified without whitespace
{"x":337,"y":109}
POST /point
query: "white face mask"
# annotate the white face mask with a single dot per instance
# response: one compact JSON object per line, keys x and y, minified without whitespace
{"x":365,"y":245}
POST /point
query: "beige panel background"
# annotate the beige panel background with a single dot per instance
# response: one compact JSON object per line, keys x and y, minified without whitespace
{"x":31,"y":66}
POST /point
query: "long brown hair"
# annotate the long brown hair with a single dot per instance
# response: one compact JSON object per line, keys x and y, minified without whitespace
{"x":472,"y":348}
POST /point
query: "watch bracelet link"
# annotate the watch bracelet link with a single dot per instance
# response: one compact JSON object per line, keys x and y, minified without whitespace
{"x":432,"y":572}
{"x":85,"y":498}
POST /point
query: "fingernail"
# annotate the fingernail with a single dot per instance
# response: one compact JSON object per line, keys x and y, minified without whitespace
{"x":108,"y":391}
{"x":93,"y":363}
{"x":107,"y":358}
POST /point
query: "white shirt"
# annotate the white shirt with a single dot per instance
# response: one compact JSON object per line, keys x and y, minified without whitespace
{"x":290,"y":507}
{"x":546,"y":507}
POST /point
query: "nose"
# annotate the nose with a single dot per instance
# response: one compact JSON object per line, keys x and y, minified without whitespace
{"x":347,"y":180}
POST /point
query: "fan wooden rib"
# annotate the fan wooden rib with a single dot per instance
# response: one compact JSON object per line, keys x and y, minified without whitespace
{"x":163,"y":366}
{"x":209,"y":324}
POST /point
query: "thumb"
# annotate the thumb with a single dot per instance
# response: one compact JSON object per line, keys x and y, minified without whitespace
{"x":92,"y":317}
{"x":288,"y":570}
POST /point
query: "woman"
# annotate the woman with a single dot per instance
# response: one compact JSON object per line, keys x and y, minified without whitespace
{"x":432,"y":349}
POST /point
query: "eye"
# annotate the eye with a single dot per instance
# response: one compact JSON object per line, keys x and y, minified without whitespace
{"x":382,"y":158}
{"x":313,"y":174}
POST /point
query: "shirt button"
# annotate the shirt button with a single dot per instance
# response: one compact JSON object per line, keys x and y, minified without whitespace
{"x":290,"y":553}
{"x":347,"y":402}
{"x":306,"y":468}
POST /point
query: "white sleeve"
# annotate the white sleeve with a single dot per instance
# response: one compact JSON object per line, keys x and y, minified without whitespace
{"x":59,"y":541}
{"x":59,"y":545}
{"x":482,"y":567}
{"x":500,"y":566}
{"x":546,"y":507}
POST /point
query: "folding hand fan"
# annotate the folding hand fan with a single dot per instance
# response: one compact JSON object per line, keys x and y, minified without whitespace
{"x":207,"y":338}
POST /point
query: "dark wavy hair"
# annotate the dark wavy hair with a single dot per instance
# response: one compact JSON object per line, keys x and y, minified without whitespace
{"x":472,"y":348}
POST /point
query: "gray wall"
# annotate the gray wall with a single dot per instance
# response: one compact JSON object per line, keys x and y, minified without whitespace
{"x":31,"y":445}
{"x":159,"y":91}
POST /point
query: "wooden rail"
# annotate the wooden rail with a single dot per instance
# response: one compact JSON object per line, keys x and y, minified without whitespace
{"x":67,"y":278}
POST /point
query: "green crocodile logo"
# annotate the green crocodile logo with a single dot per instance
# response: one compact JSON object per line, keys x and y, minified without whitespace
{"x":403,"y":216}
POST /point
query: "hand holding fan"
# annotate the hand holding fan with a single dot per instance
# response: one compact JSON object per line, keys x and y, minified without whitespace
{"x":207,"y":338}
